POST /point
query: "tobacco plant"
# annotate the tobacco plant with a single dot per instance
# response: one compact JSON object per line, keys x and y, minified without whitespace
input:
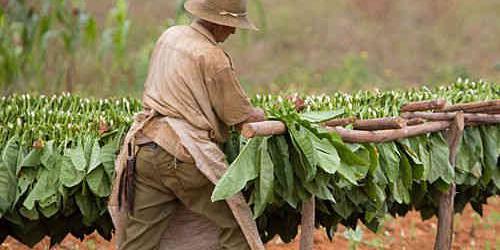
{"x":57,"y":154}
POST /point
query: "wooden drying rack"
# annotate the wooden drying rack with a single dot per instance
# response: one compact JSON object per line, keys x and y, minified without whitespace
{"x":416,"y":118}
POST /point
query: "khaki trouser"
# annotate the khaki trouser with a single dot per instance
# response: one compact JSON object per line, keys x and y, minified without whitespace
{"x":163,"y":183}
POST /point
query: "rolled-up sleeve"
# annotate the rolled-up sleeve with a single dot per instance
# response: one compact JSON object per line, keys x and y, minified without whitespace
{"x":229,"y":100}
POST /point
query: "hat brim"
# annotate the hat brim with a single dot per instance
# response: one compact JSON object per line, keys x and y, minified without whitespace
{"x":198,"y":9}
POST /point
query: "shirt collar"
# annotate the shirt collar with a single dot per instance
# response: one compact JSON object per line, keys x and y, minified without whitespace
{"x":202,"y":30}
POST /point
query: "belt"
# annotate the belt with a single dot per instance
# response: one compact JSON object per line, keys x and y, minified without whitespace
{"x":148,"y":144}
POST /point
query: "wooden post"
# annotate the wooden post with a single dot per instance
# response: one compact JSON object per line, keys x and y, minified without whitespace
{"x":444,"y":237}
{"x":307,"y":225}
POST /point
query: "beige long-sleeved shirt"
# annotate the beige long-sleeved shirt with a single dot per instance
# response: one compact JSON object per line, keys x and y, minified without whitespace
{"x":193,"y":79}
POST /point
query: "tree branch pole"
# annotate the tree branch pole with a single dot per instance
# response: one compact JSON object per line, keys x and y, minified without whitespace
{"x":477,"y":106}
{"x":307,"y":225}
{"x":444,"y":236}
{"x":340,"y":122}
{"x":424,"y":105}
{"x":358,"y":136}
{"x":266,"y":128}
{"x":380,"y":123}
{"x":469,"y":118}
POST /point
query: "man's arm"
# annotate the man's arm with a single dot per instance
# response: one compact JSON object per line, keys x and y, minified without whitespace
{"x":256,"y":115}
{"x":230,"y":101}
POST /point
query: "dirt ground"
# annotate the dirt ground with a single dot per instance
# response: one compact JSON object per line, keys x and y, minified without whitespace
{"x":409,"y":232}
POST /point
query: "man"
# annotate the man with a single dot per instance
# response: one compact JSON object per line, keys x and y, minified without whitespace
{"x":191,"y":98}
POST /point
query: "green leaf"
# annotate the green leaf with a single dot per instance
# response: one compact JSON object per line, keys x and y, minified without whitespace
{"x":8,"y":181}
{"x":349,"y":157}
{"x":440,"y":167}
{"x":469,"y":158}
{"x":343,"y":206}
{"x":302,"y":141}
{"x":375,"y":193}
{"x":241,"y":171}
{"x":374,"y":158}
{"x":321,"y":116}
{"x":29,"y":214}
{"x":490,"y":156}
{"x":8,"y":185}
{"x":389,"y":160}
{"x":266,"y":179}
{"x":319,"y":187}
{"x":46,"y":185}
{"x":99,"y":182}
{"x":107,"y":157}
{"x":10,"y":155}
{"x":70,"y":176}
{"x":405,"y":172}
{"x":33,"y":159}
{"x":77,"y":156}
{"x":49,"y":155}
{"x":94,"y":161}
{"x":328,"y":158}
{"x":26,"y":177}
{"x":420,"y":145}
{"x":50,"y":210}
{"x":283,"y":168}
{"x":87,"y":208}
{"x":410,"y":151}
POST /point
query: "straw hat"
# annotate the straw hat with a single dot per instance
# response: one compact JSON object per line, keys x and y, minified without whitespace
{"x":231,"y":13}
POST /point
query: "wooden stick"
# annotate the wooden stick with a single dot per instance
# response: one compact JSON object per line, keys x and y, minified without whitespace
{"x":415,"y":121}
{"x":380,"y":123}
{"x":493,"y":112}
{"x":444,"y":237}
{"x":471,"y":105}
{"x":469,"y":118}
{"x":340,"y":122}
{"x":487,"y":109}
{"x":307,"y":225}
{"x":390,"y":134}
{"x":424,"y":105}
{"x":265,"y":128}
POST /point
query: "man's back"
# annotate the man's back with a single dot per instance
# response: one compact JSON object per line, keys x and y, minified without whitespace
{"x":187,"y":72}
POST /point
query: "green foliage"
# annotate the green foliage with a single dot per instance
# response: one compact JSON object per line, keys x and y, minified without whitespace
{"x":59,"y":152}
{"x":47,"y":46}
{"x":364,"y":182}
{"x":57,"y":155}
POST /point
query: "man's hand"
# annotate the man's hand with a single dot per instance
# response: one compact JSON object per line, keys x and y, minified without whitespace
{"x":257,"y":115}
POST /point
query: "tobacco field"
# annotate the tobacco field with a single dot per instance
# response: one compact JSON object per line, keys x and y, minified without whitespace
{"x":57,"y":163}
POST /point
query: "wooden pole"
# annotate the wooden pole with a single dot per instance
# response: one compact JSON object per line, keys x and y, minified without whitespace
{"x":444,"y":237}
{"x":486,"y":110}
{"x":264,"y":128}
{"x":469,"y":118}
{"x":389,"y":134}
{"x":380,"y":123}
{"x":340,"y":122}
{"x":307,"y":225}
{"x":472,"y":106}
{"x":415,"y":121}
{"x":424,"y":105}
